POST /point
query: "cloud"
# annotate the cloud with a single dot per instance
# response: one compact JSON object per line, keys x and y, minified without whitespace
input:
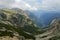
{"x":50,"y":5}
{"x":53,"y":5}
{"x":23,"y":5}
{"x":32,"y":4}
{"x":6,"y":3}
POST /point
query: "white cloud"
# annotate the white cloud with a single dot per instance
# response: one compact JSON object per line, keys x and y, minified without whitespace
{"x":32,"y":4}
{"x":50,"y":5}
{"x":23,"y":5}
{"x":6,"y":3}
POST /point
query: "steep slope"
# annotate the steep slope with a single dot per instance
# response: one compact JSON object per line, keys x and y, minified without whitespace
{"x":43,"y":18}
{"x":53,"y":32}
{"x":18,"y":22}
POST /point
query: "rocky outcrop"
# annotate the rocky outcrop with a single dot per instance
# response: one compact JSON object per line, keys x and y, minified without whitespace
{"x":51,"y":32}
{"x":12,"y":38}
{"x":12,"y":21}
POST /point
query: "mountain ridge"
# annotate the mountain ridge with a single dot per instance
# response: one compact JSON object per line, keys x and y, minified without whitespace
{"x":19,"y":21}
{"x":43,"y":18}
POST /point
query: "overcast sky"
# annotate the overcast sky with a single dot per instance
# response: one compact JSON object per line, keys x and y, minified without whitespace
{"x":32,"y":4}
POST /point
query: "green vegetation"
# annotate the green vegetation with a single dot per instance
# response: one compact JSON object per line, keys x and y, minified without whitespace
{"x":20,"y":24}
{"x":55,"y":38}
{"x":13,"y":29}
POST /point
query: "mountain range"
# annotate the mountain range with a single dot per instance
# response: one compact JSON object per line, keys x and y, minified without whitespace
{"x":28,"y":24}
{"x":16,"y":20}
{"x":52,"y":32}
{"x":43,"y":18}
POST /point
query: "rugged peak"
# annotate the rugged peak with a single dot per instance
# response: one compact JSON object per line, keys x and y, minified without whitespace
{"x":17,"y":21}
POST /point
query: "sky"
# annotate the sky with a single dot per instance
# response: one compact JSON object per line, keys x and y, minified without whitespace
{"x":50,"y":5}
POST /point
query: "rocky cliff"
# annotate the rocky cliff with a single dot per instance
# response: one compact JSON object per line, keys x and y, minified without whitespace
{"x":52,"y":32}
